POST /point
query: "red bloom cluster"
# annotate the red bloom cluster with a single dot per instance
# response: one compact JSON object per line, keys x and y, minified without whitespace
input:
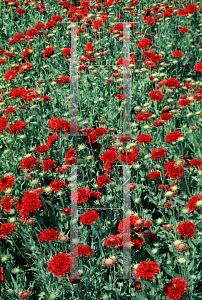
{"x":113,"y":241}
{"x":17,"y":127}
{"x":56,"y":185}
{"x":1,"y":274}
{"x":158,"y":153}
{"x":59,"y":265}
{"x":3,"y":124}
{"x":156,"y":96}
{"x":172,"y":171}
{"x":29,"y":163}
{"x":146,"y":270}
{"x":6,"y":229}
{"x":187,"y":229}
{"x":48,"y":235}
{"x":6,"y":182}
{"x":67,"y":211}
{"x":173,"y":136}
{"x":102,"y":179}
{"x":29,"y":203}
{"x":89,"y":217}
{"x":63,"y":79}
{"x":67,"y":51}
{"x":191,"y":205}
{"x":144,"y":138}
{"x":48,"y":164}
{"x":10,"y":75}
{"x":49,"y":52}
{"x":176,"y":288}
{"x":69,"y":158}
{"x":7,"y":203}
{"x":82,"y":250}
{"x":155,"y":174}
{"x":143,"y":117}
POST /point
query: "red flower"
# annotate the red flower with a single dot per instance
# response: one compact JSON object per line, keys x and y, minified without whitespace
{"x":172,"y":82}
{"x":173,"y":136}
{"x":3,"y":124}
{"x":126,"y":224}
{"x":6,"y":229}
{"x":144,"y":138}
{"x":155,"y":174}
{"x":29,"y":203}
{"x":67,"y":211}
{"x":1,"y":274}
{"x":187,"y":228}
{"x":156,"y":96}
{"x":112,"y":241}
{"x":74,"y":278}
{"x":9,"y":110}
{"x":158,"y":153}
{"x":102,"y":179}
{"x":48,"y":235}
{"x":172,"y":171}
{"x":124,"y":138}
{"x":82,"y":250}
{"x":10,"y":75}
{"x":167,"y":204}
{"x":29,"y":163}
{"x":6,"y":182}
{"x":80,"y":195}
{"x":176,"y":288}
{"x":146,"y":270}
{"x":137,"y":286}
{"x":56,"y":185}
{"x":183,"y":29}
{"x":63,"y":79}
{"x":166,"y":116}
{"x":177,"y":53}
{"x":17,"y":127}
{"x":198,"y":67}
{"x":60,"y":264}
{"x":48,"y":164}
{"x":67,"y":51}
{"x":7,"y":203}
{"x":49,"y":51}
{"x":192,"y":203}
{"x":131,"y":157}
{"x":150,"y":236}
{"x":89,"y":217}
{"x":158,"y":123}
{"x":143,"y":117}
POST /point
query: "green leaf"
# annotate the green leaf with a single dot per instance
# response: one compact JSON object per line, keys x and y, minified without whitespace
{"x":139,"y":296}
{"x":190,"y":266}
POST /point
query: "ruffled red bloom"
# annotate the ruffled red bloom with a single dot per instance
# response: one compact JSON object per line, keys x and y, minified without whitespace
{"x":125,"y":138}
{"x":144,"y":138}
{"x":59,"y":265}
{"x":176,"y":288}
{"x":172,"y":171}
{"x":143,"y":117}
{"x":29,"y":163}
{"x":158,"y":123}
{"x":131,"y":157}
{"x":6,"y":182}
{"x":9,"y":110}
{"x":67,"y":51}
{"x":166,"y":116}
{"x":67,"y":211}
{"x":3,"y":124}
{"x":56,"y":185}
{"x":173,"y":136}
{"x":48,"y":164}
{"x":48,"y":235}
{"x":126,"y":224}
{"x":10,"y":75}
{"x":17,"y":127}
{"x":172,"y":83}
{"x":7,"y":203}
{"x":158,"y":153}
{"x":110,"y":155}
{"x":196,"y":162}
{"x":177,"y":53}
{"x":150,"y":236}
{"x":183,"y":29}
{"x":80,"y":195}
{"x":63,"y":79}
{"x":146,"y":270}
{"x":29,"y":203}
{"x":49,"y":52}
{"x":102,"y":180}
{"x":82,"y":250}
{"x":192,"y":8}
{"x":154,"y":174}
{"x":137,"y":286}
{"x":191,"y":205}
{"x":167,"y":204}
{"x":6,"y":229}
{"x":137,"y":242}
{"x":89,"y":217}
{"x":156,"y":96}
{"x":198,"y":67}
{"x":187,"y":229}
{"x":112,"y":241}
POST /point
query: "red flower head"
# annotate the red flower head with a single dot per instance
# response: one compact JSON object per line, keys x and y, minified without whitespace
{"x":60,"y":264}
{"x":187,"y":229}
{"x":89,"y":217}
{"x":176,"y":288}
{"x":146,"y":270}
{"x":48,"y":235}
